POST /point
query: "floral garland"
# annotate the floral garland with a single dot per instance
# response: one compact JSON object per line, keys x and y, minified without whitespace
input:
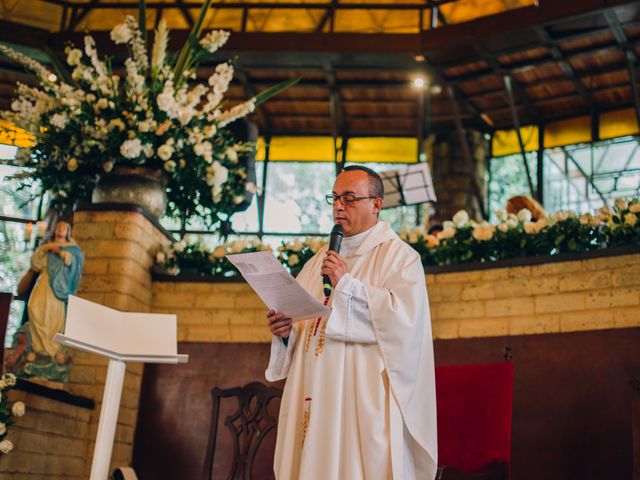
{"x":462,"y":240}
{"x":96,"y":120}
{"x":7,"y":411}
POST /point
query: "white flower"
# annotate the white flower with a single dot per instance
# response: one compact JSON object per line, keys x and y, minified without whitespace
{"x":10,"y":378}
{"x":238,"y":246}
{"x":293,"y":260}
{"x":121,"y":33}
{"x":252,"y":187}
{"x":512,"y":221}
{"x":6,"y":446}
{"x":239,"y":199}
{"x":214,"y":40}
{"x":102,"y":103}
{"x":585,"y":219}
{"x":413,"y":237}
{"x":530,"y":228}
{"x":160,"y":44}
{"x":3,"y":428}
{"x":501,"y":214}
{"x":231,"y":154}
{"x":621,"y":204}
{"x":72,"y":164}
{"x":631,"y":219}
{"x":446,"y":233}
{"x":165,"y":151}
{"x":483,"y":232}
{"x":59,"y":121}
{"x":73,"y":56}
{"x":503,"y":227}
{"x":18,"y":409}
{"x":116,"y":123}
{"x":524,"y":215}
{"x":217,"y":174}
{"x":170,"y":166}
{"x":448,"y":224}
{"x":131,"y":148}
{"x":461,"y":218}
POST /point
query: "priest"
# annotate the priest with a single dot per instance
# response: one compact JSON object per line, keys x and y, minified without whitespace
{"x":359,"y":400}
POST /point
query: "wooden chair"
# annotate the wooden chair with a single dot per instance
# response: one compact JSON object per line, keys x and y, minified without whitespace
{"x":248,"y":424}
{"x":474,"y":421}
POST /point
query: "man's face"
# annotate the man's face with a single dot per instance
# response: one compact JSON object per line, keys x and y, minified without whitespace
{"x":361,"y":215}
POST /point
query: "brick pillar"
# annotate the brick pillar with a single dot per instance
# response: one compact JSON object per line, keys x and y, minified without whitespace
{"x":118,"y":248}
{"x":453,"y":174}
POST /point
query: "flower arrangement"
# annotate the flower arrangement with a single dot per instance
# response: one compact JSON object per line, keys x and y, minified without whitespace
{"x":192,"y":258}
{"x":462,"y":240}
{"x":7,"y":411}
{"x":294,"y":255}
{"x":96,"y":119}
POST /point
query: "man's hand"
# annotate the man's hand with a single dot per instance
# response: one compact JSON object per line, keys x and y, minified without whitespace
{"x":279,"y":325}
{"x":334,"y":266}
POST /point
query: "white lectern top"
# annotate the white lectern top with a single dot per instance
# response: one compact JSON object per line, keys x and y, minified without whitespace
{"x":136,"y":337}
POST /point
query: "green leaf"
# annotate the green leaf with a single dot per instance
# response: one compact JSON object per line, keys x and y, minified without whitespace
{"x":267,"y":94}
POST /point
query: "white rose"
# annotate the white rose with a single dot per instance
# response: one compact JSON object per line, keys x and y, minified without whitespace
{"x":503,"y":227}
{"x":621,"y":204}
{"x":231,"y":155}
{"x":238,"y":199}
{"x":501,"y":214}
{"x":293,"y":260}
{"x":6,"y":446}
{"x":131,"y":148}
{"x":102,"y":104}
{"x":530,"y":228}
{"x":252,"y":187}
{"x":18,"y":409}
{"x":585,"y":219}
{"x":121,"y":33}
{"x":3,"y":428}
{"x":448,"y":224}
{"x":524,"y":215}
{"x":461,"y":218}
{"x":74,"y":56}
{"x":512,"y":221}
{"x":170,"y":166}
{"x":631,"y":219}
{"x":446,"y":233}
{"x":10,"y":378}
{"x":180,"y":246}
{"x":165,"y":151}
{"x":59,"y":121}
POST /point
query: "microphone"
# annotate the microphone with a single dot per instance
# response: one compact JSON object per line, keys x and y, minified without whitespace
{"x":334,"y":244}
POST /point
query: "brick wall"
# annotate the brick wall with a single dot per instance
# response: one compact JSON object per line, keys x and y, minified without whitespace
{"x":591,"y":294}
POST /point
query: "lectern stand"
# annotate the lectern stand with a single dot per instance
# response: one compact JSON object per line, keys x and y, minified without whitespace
{"x":121,"y":337}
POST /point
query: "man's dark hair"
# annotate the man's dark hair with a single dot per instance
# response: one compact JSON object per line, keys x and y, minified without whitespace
{"x":376,"y":189}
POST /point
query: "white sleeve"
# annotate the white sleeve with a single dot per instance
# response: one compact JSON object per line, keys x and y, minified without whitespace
{"x":281,"y":356}
{"x":350,"y":320}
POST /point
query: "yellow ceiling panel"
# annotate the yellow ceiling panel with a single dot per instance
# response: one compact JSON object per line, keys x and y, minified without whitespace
{"x":567,"y":132}
{"x":618,"y":123}
{"x":383,"y":149}
{"x":466,"y":10}
{"x":283,"y":20}
{"x":297,"y":149}
{"x":377,"y":21}
{"x":505,"y":142}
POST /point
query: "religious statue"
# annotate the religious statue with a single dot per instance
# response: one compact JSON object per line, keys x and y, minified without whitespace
{"x":35,"y":355}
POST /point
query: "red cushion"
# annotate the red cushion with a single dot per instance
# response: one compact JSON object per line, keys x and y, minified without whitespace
{"x":474,"y":414}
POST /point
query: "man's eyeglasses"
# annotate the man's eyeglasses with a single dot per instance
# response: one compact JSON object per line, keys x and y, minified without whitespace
{"x":346,"y":199}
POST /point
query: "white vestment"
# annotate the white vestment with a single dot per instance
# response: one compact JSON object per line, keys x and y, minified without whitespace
{"x":359,"y":401}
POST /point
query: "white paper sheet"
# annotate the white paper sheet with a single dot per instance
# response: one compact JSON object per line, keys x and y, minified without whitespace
{"x":276,"y":287}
